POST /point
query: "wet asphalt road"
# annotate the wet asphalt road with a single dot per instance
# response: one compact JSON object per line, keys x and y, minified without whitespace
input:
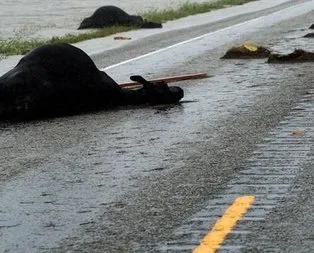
{"x":155,"y":179}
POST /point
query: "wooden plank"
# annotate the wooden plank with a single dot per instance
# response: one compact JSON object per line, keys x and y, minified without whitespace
{"x":170,"y":79}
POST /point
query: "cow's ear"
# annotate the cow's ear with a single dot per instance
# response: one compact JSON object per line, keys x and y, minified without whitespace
{"x":141,"y":80}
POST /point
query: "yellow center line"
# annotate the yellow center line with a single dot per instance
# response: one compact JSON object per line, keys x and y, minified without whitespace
{"x":213,"y":240}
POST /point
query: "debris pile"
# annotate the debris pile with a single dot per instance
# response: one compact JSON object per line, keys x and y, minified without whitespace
{"x":247,"y":51}
{"x":298,"y":55}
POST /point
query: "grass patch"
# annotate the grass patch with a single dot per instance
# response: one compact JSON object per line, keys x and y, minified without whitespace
{"x":14,"y":47}
{"x":20,"y":46}
{"x":189,"y":8}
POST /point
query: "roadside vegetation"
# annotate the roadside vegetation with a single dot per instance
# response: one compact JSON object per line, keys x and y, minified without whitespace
{"x":20,"y":46}
{"x":189,"y":8}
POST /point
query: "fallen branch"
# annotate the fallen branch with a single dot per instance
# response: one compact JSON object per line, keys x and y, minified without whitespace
{"x":170,"y":79}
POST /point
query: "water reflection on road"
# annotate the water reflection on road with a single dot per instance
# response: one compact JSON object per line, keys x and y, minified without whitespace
{"x":66,"y":171}
{"x":59,"y":175}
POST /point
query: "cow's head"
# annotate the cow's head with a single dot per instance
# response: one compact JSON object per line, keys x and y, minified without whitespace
{"x":158,"y":92}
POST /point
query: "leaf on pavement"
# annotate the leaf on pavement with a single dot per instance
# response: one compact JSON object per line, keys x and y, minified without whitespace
{"x":297,"y":133}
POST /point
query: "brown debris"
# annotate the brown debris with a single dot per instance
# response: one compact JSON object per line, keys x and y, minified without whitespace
{"x":298,"y":55}
{"x":297,"y":133}
{"x":121,"y":38}
{"x":247,"y":51}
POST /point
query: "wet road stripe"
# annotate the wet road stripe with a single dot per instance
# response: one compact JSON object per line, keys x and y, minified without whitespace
{"x":213,"y":240}
{"x":294,"y":9}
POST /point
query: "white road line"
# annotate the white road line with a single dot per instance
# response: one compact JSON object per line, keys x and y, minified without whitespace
{"x":269,"y":18}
